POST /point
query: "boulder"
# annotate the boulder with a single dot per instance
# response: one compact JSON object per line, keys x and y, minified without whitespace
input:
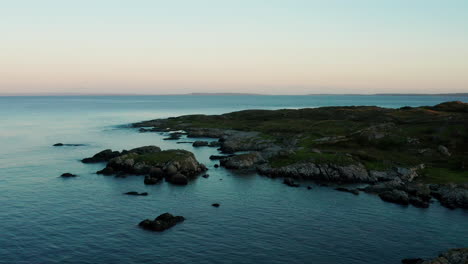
{"x":178,"y":179}
{"x":161,"y":223}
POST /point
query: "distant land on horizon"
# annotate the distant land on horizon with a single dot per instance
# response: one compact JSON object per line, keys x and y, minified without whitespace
{"x":232,"y":94}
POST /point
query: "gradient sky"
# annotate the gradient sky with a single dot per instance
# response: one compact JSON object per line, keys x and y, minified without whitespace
{"x":258,"y":46}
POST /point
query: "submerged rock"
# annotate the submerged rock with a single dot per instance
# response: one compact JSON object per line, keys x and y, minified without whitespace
{"x":353,"y":191}
{"x":137,"y":193}
{"x":161,"y":223}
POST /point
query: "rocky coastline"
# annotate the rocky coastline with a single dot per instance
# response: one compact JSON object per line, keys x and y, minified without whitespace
{"x":335,"y":157}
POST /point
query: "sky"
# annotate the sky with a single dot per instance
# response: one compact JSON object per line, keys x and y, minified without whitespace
{"x":245,"y":46}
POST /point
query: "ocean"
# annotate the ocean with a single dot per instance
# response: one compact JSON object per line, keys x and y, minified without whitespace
{"x":48,"y":219}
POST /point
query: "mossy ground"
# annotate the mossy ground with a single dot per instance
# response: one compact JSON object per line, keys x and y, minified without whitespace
{"x":163,"y":157}
{"x":413,"y":130}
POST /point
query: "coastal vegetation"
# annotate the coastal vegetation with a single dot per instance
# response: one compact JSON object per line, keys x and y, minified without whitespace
{"x":378,"y":138}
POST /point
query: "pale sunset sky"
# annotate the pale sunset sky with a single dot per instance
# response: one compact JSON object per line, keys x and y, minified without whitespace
{"x":245,"y":46}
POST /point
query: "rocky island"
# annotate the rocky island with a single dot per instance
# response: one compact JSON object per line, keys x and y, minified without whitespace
{"x":176,"y":166}
{"x":406,"y":156}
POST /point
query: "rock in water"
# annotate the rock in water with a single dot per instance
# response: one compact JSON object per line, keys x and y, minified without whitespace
{"x":200,"y":143}
{"x":290,"y":182}
{"x":68,"y":175}
{"x":68,"y":145}
{"x":395,"y":196}
{"x":161,"y":222}
{"x":102,"y":156}
{"x":178,"y":179}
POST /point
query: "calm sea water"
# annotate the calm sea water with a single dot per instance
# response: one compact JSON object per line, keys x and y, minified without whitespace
{"x":47,"y":219}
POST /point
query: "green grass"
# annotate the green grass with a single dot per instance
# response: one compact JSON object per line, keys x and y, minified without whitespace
{"x":443,"y":175}
{"x":163,"y":156}
{"x":304,"y":155}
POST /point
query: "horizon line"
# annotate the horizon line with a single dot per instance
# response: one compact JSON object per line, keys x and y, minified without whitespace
{"x":227,"y":94}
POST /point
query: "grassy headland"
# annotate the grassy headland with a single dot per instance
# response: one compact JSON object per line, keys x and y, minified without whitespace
{"x":379,"y":138}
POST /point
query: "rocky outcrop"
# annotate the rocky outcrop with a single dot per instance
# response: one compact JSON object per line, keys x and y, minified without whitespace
{"x":353,"y":173}
{"x":452,"y":256}
{"x":405,"y":174}
{"x":451,"y":196}
{"x":234,"y":141}
{"x":176,"y":166}
{"x":205,"y":132}
{"x":161,"y":223}
{"x":243,"y":161}
{"x":420,"y":194}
